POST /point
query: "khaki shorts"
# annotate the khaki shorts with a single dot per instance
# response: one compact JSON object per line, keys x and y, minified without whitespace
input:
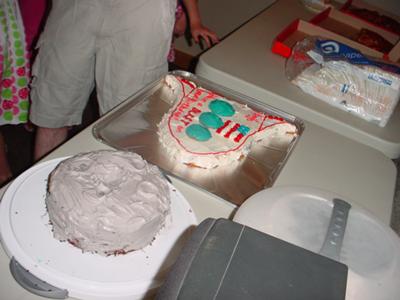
{"x":117,"y":46}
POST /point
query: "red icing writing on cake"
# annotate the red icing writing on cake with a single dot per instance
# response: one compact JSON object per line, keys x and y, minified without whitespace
{"x":188,"y":118}
{"x":200,"y":96}
{"x":237,"y":129}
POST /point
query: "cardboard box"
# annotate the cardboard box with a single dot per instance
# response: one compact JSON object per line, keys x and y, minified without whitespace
{"x":336,"y":25}
{"x":394,"y":55}
{"x":363,"y":5}
{"x":349,"y":26}
{"x":299,"y":29}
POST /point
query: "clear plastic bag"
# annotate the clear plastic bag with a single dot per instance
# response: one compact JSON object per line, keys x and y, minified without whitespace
{"x":345,"y":78}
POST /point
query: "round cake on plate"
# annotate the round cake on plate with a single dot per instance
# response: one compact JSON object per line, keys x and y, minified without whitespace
{"x":107,"y":202}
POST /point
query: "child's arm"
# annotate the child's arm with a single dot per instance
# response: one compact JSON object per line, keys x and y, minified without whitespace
{"x":196,"y":27}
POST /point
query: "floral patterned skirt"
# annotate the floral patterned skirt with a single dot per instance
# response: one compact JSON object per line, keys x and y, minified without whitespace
{"x":179,"y":13}
{"x":14,"y":66}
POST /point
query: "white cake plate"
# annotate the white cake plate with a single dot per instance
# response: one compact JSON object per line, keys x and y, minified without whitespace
{"x":27,"y":238}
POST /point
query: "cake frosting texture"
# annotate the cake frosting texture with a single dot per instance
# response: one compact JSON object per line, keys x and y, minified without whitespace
{"x":108,"y":202}
{"x":205,"y":130}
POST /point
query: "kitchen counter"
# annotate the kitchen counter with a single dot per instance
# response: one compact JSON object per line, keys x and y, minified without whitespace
{"x":321,"y":159}
{"x":244,"y":62}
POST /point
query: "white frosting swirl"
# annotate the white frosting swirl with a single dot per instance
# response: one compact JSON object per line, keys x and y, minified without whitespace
{"x":109,"y":202}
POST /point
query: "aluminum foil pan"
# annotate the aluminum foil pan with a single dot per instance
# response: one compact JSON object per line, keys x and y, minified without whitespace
{"x":133,"y":127}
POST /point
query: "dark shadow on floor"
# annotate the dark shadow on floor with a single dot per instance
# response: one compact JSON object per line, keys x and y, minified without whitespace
{"x":20,"y":140}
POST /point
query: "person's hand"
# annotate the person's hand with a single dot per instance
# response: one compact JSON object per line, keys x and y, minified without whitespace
{"x":200,"y":32}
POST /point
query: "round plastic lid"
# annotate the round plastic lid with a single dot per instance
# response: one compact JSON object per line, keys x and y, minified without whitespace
{"x":301,"y":215}
{"x":27,"y":236}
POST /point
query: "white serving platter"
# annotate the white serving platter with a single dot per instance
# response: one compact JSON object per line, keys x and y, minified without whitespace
{"x":26,"y":236}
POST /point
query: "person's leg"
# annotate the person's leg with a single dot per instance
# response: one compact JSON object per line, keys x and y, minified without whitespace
{"x":5,"y":171}
{"x":63,"y":72}
{"x":48,"y":139}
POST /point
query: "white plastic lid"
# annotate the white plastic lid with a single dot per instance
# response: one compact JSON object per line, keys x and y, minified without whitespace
{"x":26,"y":235}
{"x":301,"y":215}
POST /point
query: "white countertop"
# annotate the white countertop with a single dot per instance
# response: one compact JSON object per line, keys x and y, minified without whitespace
{"x":321,"y":159}
{"x":245,"y":63}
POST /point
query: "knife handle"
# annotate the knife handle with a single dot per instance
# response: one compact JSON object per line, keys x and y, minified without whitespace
{"x":337,"y":225}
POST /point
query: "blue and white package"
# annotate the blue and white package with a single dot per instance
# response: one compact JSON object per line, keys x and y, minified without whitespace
{"x":344,"y":77}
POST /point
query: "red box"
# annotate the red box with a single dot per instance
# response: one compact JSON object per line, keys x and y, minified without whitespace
{"x":336,"y":25}
{"x":350,"y":27}
{"x":299,"y":29}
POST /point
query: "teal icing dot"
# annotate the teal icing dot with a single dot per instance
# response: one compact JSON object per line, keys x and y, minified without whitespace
{"x":198,"y":132}
{"x":221,"y":108}
{"x":210,"y":120}
{"x":16,"y":34}
{"x":14,"y":26}
{"x":243,"y":129}
{"x":17,"y":44}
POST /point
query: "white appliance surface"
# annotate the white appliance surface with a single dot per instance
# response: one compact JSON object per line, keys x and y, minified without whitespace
{"x":27,"y":236}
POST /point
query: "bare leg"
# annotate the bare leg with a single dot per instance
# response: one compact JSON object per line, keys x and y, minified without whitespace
{"x":5,"y":171}
{"x":47,"y":139}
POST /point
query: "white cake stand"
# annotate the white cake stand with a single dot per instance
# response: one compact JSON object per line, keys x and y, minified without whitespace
{"x":57,"y":269}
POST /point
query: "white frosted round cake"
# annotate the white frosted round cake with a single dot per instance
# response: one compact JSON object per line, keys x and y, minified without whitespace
{"x":107,"y":202}
{"x":205,"y":130}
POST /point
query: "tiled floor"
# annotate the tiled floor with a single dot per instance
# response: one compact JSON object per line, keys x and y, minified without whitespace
{"x":19,"y":139}
{"x":19,"y":143}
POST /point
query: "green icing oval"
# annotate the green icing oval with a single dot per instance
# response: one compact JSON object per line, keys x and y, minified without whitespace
{"x":198,"y":132}
{"x":221,"y":108}
{"x":210,"y":120}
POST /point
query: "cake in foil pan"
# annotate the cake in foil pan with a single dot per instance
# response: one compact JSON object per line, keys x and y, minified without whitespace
{"x":220,"y":141}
